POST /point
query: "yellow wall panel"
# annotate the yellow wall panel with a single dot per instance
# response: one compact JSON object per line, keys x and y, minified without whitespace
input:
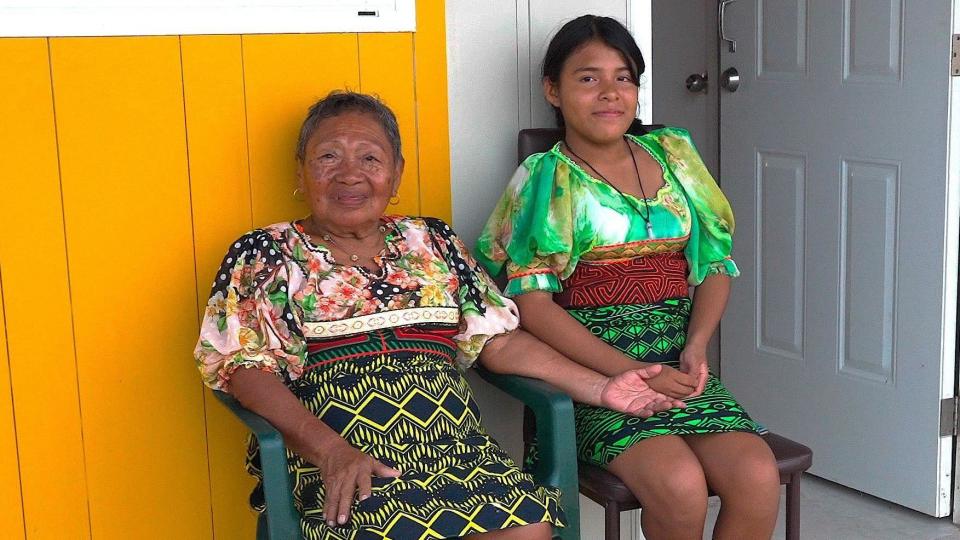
{"x":431,"y":80}
{"x":285,"y":74}
{"x":220,"y":192}
{"x":11,"y":512}
{"x":134,"y":162}
{"x":120,"y":120}
{"x":386,"y":69}
{"x":217,"y":148}
{"x":38,"y":325}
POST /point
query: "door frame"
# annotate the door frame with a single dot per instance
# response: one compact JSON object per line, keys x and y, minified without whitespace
{"x":953,"y":246}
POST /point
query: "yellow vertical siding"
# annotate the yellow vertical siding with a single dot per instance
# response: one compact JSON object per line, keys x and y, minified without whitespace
{"x":386,"y":69}
{"x":430,"y":77}
{"x":39,"y":327}
{"x":126,"y":201}
{"x":129,"y":165}
{"x":220,"y":193}
{"x":284,"y":75}
{"x":11,"y":513}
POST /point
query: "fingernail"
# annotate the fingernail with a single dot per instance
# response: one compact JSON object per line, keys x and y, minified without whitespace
{"x":342,"y":519}
{"x":364,"y":497}
{"x":330,"y":523}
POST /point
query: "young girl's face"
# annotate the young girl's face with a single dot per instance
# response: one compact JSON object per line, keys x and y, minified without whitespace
{"x":596,"y":93}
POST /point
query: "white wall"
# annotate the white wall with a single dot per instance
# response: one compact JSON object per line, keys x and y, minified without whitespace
{"x":494,"y":51}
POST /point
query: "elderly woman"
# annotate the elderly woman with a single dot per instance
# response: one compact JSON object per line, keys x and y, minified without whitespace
{"x":346,"y":329}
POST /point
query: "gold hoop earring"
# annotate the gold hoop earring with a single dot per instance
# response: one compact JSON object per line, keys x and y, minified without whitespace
{"x":394,"y":202}
{"x":297,"y":194}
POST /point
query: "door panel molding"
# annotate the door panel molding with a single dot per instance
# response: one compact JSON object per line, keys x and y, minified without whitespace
{"x":868,"y":255}
{"x":782,"y":51}
{"x":780,"y":187}
{"x":873,"y":55}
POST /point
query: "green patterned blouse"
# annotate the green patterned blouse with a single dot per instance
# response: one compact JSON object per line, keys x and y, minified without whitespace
{"x":553,"y":214}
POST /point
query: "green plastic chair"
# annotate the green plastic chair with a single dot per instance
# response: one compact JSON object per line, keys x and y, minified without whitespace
{"x":556,"y":465}
{"x":552,"y":409}
{"x":280,"y":521}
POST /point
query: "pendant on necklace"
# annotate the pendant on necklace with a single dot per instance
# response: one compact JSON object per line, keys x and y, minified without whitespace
{"x":354,"y":257}
{"x":649,"y":230}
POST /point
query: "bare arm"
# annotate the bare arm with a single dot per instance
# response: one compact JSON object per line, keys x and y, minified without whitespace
{"x":709,"y":301}
{"x":520,"y":353}
{"x":543,"y":318}
{"x":264,"y":394}
{"x":552,"y":324}
{"x":344,"y":469}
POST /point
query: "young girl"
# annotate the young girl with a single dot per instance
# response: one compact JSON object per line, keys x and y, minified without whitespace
{"x":600,"y":237}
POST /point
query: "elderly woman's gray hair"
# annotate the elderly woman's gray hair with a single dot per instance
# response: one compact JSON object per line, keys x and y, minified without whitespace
{"x":339,"y":102}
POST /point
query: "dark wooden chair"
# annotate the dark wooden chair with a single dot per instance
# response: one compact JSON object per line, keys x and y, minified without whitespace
{"x":606,"y":489}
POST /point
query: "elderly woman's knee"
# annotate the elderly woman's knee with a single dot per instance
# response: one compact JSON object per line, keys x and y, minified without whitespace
{"x":533,"y":531}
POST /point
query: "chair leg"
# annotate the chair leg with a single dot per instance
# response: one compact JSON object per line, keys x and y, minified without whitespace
{"x":611,"y":521}
{"x":262,"y":532}
{"x":793,"y":507}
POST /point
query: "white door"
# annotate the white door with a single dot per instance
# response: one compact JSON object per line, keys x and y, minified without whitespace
{"x":840,"y":332}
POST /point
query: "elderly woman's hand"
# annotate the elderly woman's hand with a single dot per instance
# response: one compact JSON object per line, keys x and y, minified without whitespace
{"x":629,"y":393}
{"x":345,"y":471}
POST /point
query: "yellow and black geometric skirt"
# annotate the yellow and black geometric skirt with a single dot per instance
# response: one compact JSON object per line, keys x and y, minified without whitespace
{"x":396,"y":395}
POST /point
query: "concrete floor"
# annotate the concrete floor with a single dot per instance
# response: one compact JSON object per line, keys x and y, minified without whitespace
{"x":829,"y":511}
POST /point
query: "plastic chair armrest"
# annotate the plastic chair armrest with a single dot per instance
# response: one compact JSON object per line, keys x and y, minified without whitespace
{"x":556,"y":439}
{"x":282,"y":519}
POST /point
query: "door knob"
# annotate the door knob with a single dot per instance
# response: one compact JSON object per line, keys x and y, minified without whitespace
{"x":697,"y":82}
{"x":730,"y":79}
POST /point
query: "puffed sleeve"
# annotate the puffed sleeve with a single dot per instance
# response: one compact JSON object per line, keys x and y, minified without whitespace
{"x":532,"y":229}
{"x":249,"y":321}
{"x":711,"y":235}
{"x":484,"y":312}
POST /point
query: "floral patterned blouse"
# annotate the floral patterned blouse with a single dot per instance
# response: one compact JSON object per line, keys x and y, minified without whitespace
{"x":276,"y":289}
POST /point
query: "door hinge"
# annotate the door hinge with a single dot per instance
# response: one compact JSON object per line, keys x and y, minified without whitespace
{"x":949,"y":416}
{"x":955,"y":56}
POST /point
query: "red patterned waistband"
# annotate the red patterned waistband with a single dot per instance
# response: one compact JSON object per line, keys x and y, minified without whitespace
{"x":640,"y":280}
{"x":435,"y":341}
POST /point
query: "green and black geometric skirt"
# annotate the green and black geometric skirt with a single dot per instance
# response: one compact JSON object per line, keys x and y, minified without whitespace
{"x":645,"y":316}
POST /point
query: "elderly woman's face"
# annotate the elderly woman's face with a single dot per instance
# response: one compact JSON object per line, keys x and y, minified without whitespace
{"x":349,"y":172}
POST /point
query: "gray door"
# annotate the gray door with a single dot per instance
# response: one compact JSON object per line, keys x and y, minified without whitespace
{"x":684,"y":44}
{"x":840,"y":332}
{"x":683,"y":39}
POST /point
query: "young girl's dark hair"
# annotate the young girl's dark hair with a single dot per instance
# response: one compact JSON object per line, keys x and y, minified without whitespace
{"x":584,"y":29}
